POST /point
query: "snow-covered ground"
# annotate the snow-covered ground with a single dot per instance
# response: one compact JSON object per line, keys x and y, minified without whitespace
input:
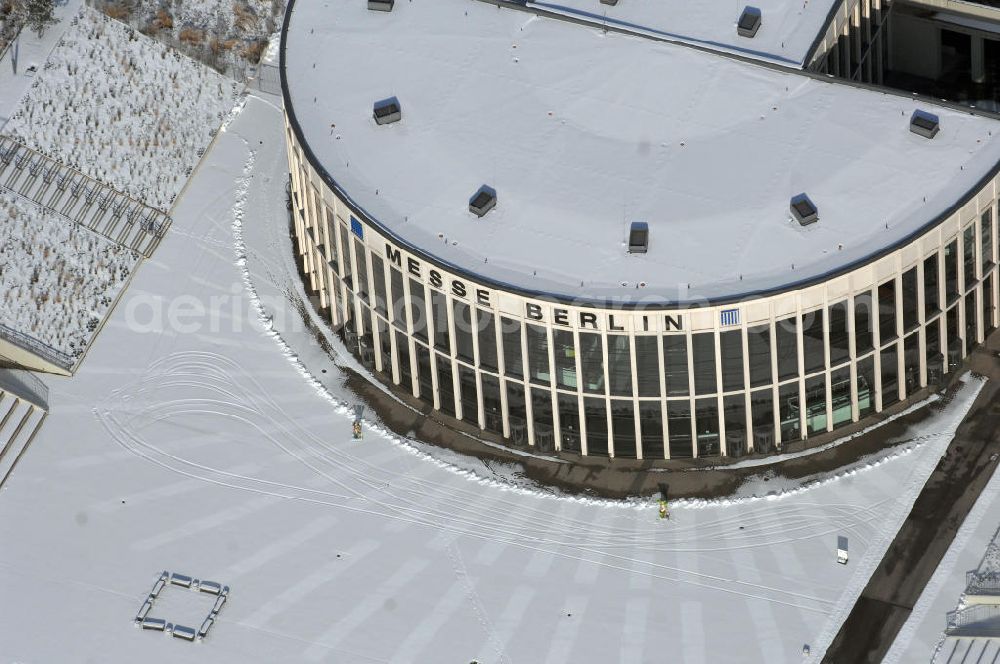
{"x":57,"y":279}
{"x":123,"y":108}
{"x":215,"y":444}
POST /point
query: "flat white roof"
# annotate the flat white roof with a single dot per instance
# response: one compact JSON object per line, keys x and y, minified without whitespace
{"x":787,"y":30}
{"x":582,"y":132}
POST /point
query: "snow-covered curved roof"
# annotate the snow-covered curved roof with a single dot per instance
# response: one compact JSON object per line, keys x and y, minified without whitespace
{"x":582,"y":132}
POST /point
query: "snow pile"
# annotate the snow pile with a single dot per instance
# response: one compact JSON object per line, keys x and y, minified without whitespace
{"x":221,"y":33}
{"x":123,"y":109}
{"x":57,"y":279}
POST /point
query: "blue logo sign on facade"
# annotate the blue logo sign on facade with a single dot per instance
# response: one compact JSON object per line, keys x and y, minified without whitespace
{"x":357,"y":228}
{"x":729,"y":317}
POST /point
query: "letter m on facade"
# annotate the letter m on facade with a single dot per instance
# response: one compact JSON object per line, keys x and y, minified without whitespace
{"x":393,"y":254}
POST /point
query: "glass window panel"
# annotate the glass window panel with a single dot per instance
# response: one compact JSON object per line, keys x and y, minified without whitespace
{"x":988,"y":305}
{"x":569,"y":422}
{"x":651,"y":425}
{"x":759,"y":350}
{"x":362,"y":270}
{"x":446,"y":388}
{"x":647,"y":366}
{"x":703,"y":362}
{"x":863,"y":337}
{"x":762,"y":412}
{"x":541,"y":411}
{"x":814,"y":354}
{"x":971,"y":320}
{"x":564,"y":352}
{"x":840,"y":396}
{"x":487,"y":340}
{"x":816,"y":405}
{"x":887,"y":312}
{"x":866,"y":385}
{"x":403,"y":353}
{"x":890,"y":375}
{"x":786,"y":343}
{"x":469,"y":395}
{"x":623,"y":428}
{"x":707,"y":423}
{"x":788,"y":398}
{"x":424,"y":379}
{"x":538,"y":354}
{"x":492,"y":410}
{"x":932,"y":299}
{"x":969,"y":256}
{"x":619,"y":366}
{"x":675,"y":365}
{"x":596,"y":415}
{"x":679,"y":427}
{"x":911,"y":318}
{"x":932,"y":352}
{"x":592,"y":362}
{"x":346,"y":248}
{"x":331,"y":229}
{"x":731,"y":348}
{"x":517,"y":415}
{"x":954,"y":338}
{"x":418,"y":310}
{"x":840,"y":349}
{"x":510,"y":330}
{"x":911,"y":363}
{"x":986,"y":236}
{"x":463,"y":332}
{"x":734,"y":408}
{"x":378,"y":278}
{"x":439,"y":307}
{"x":398,"y":298}
{"x":951,"y":271}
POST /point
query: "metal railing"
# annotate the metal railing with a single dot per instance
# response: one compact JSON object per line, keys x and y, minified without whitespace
{"x":36,"y":347}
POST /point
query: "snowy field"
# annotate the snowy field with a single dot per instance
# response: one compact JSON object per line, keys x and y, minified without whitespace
{"x":221,"y":450}
{"x":123,"y":109}
{"x":57,"y":279}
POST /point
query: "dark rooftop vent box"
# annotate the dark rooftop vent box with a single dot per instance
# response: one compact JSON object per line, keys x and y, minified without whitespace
{"x":804,"y":210}
{"x":380,"y":5}
{"x":749,"y":22}
{"x":924,"y":123}
{"x":388,"y":111}
{"x":484,"y":201}
{"x":638,"y":238}
{"x":609,"y":2}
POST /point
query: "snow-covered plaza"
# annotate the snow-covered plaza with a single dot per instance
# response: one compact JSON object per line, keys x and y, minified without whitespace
{"x":207,"y":432}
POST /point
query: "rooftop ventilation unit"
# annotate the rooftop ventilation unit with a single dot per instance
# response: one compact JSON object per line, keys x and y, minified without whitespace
{"x":484,"y":201}
{"x":638,"y":238}
{"x":924,"y":123}
{"x":749,"y":22}
{"x":609,"y":2}
{"x":387,"y":111}
{"x":380,"y":5}
{"x":803,"y":210}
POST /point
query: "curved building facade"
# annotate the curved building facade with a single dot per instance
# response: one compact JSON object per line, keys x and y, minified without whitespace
{"x":726,"y":375}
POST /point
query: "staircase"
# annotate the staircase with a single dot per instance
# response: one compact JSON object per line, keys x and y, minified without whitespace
{"x":22,"y":411}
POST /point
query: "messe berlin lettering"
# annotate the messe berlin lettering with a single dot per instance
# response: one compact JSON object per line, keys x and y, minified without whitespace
{"x":532,"y":311}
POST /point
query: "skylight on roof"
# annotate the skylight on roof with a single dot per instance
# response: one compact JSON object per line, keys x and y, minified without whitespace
{"x":483,"y":201}
{"x":638,"y":238}
{"x":749,"y":22}
{"x":387,"y":111}
{"x":803,"y":209}
{"x":380,"y":5}
{"x":925,"y":124}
